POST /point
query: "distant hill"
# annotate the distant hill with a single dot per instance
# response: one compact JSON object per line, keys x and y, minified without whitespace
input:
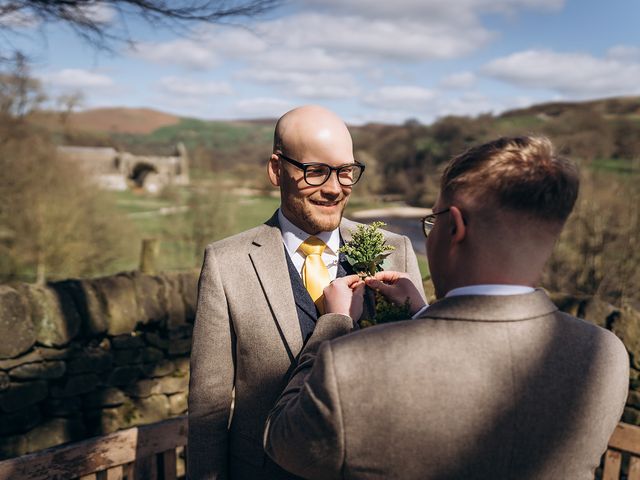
{"x":598,"y":129}
{"x":139,"y":121}
{"x":122,"y":120}
{"x":609,"y":107}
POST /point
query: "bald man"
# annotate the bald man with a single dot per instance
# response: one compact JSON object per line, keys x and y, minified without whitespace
{"x":259,"y":294}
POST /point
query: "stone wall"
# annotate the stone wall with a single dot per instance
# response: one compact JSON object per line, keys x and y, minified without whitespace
{"x":80,"y":358}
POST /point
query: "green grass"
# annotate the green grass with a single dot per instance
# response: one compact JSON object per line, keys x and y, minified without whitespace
{"x":423,"y":265}
{"x":520,"y":123}
{"x":619,"y":166}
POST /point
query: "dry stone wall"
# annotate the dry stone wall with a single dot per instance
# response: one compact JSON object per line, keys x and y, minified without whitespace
{"x":80,"y":358}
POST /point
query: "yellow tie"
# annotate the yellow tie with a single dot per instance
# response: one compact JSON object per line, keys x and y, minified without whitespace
{"x":314,"y":272}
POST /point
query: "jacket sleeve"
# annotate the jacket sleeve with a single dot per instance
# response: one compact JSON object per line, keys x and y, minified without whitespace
{"x":304,"y":431}
{"x":211,"y":382}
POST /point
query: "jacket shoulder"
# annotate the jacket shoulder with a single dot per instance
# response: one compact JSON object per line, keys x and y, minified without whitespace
{"x":238,"y":242}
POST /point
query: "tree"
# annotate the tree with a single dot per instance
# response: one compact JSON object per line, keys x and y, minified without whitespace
{"x":90,"y":19}
{"x":53,"y":222}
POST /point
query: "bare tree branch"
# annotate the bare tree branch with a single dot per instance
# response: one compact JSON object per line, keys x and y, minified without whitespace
{"x":87,"y":18}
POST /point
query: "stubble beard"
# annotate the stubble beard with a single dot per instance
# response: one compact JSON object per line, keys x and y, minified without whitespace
{"x":312,"y":221}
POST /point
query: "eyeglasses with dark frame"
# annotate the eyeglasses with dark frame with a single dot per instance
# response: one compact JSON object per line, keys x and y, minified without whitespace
{"x":316,"y":174}
{"x":430,"y":220}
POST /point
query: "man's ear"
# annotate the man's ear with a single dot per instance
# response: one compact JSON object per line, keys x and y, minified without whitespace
{"x":457,"y":226}
{"x":273,"y":170}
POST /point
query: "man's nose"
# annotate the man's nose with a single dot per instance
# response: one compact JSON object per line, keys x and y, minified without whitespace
{"x":332,"y":185}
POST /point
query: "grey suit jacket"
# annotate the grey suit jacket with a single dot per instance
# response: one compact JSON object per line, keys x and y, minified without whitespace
{"x":478,"y":388}
{"x":246,"y":339}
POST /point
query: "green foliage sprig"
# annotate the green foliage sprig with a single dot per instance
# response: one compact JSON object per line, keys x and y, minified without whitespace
{"x":367,"y":249}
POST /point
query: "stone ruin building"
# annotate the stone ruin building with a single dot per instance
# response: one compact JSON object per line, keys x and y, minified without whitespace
{"x":115,"y":170}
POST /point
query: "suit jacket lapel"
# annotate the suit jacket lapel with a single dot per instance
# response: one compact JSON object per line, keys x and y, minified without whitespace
{"x":268,"y":258}
{"x":344,"y":268}
{"x":345,"y":229}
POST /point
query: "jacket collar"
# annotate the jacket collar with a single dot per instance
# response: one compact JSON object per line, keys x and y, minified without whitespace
{"x":492,"y":308}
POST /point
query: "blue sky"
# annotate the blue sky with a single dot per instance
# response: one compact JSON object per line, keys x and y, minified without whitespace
{"x":367,"y":60}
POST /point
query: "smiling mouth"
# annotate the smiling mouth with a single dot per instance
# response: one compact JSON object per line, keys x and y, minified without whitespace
{"x":325,"y":204}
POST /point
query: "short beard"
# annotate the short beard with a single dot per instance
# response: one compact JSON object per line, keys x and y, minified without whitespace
{"x":310,"y":224}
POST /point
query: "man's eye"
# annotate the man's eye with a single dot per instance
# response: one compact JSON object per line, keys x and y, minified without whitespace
{"x":316,"y":171}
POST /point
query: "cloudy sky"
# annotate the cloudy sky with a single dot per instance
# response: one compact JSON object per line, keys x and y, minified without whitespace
{"x":369,"y":60}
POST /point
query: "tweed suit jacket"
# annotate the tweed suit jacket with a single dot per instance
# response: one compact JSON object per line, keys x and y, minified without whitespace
{"x":480,"y":387}
{"x":246,"y":339}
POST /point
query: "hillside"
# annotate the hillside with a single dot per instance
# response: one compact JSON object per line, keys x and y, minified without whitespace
{"x":139,"y":121}
{"x":603,"y":130}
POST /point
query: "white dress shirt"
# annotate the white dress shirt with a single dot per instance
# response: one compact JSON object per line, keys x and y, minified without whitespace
{"x":490,"y":290}
{"x":293,"y":237}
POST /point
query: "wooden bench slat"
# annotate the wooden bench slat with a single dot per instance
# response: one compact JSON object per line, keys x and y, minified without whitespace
{"x":100,"y":453}
{"x":128,"y":471}
{"x":634,"y":469}
{"x":626,"y":438}
{"x":114,"y":473}
{"x":146,"y":467}
{"x":169,"y":464}
{"x":612,"y":463}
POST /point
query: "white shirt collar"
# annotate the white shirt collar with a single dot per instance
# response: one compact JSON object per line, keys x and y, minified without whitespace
{"x":490,"y":290}
{"x":293,"y":236}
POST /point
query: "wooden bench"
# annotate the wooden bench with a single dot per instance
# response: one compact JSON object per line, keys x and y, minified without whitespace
{"x":624,"y":444}
{"x":148,"y":452}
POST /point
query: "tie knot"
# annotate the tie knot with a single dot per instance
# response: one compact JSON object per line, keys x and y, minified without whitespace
{"x":313,"y":246}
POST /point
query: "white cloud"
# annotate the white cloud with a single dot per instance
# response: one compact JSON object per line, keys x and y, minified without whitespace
{"x":98,"y":12}
{"x":184,"y":86}
{"x":624,"y":53}
{"x":403,"y":39}
{"x":231,"y":41}
{"x":458,"y":80}
{"x":261,"y":107}
{"x":399,"y":97}
{"x":74,"y":78}
{"x":18,"y":19}
{"x":305,"y":84}
{"x":471,"y":103}
{"x":431,"y":9}
{"x":571,"y":74}
{"x":182,"y":52}
{"x":310,"y":59}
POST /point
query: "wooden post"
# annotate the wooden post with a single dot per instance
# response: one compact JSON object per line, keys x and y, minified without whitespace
{"x":149,"y":255}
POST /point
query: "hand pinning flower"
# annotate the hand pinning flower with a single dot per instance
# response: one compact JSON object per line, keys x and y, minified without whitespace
{"x":367,"y":249}
{"x":366,"y":252}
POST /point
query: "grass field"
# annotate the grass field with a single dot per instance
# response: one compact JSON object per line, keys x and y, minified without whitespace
{"x":240,"y":212}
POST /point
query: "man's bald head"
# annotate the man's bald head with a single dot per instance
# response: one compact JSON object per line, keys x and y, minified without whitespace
{"x":310,"y":130}
{"x":311,"y":135}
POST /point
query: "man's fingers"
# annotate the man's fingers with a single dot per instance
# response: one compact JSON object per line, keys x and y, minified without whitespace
{"x":351,"y":280}
{"x":388,"y":276}
{"x":358,"y":290}
{"x":378,"y":285}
